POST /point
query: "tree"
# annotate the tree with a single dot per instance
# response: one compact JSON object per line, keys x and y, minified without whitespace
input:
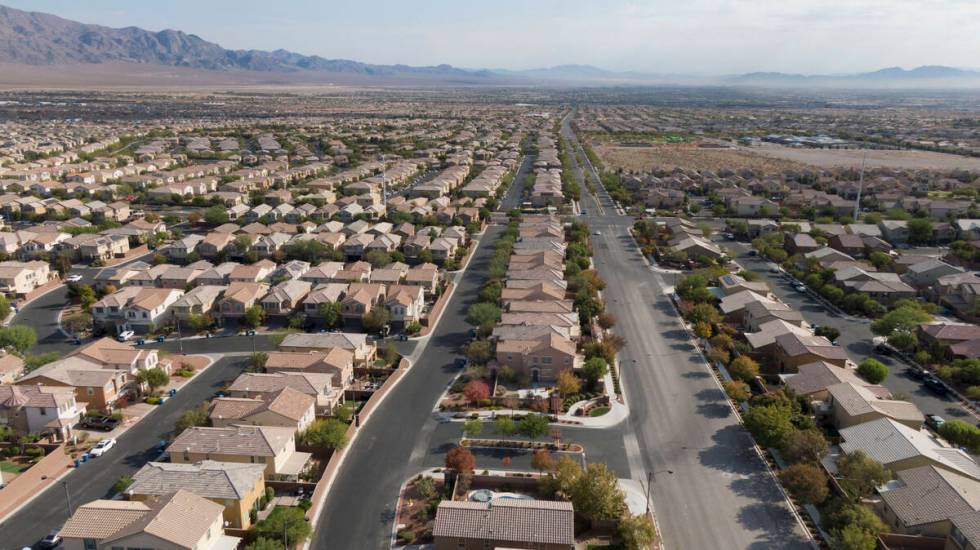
{"x":804,"y":446}
{"x":880,"y":260}
{"x":505,"y":425}
{"x":122,"y":484}
{"x":705,"y":313}
{"x":285,"y":521}
{"x":905,"y":318}
{"x":636,"y":532}
{"x":460,"y":460}
{"x":561,"y":481}
{"x":769,"y":425}
{"x":4,"y":307}
{"x":18,"y":337}
{"x":472,"y":427}
{"x":920,"y":231}
{"x":693,"y":288}
{"x":805,"y":482}
{"x":702,"y":330}
{"x":191,"y":418}
{"x":542,"y":461}
{"x":86,"y":296}
{"x":476,"y":391}
{"x":737,"y":390}
{"x":873,"y":370}
{"x":852,"y":537}
{"x":862,"y":473}
{"x":330,"y":313}
{"x":903,"y":340}
{"x":478,"y":351}
{"x":961,"y":434}
{"x":596,"y":495}
{"x":35,"y":361}
{"x":325,"y":434}
{"x":154,"y":378}
{"x":828,"y":332}
{"x":376,"y":319}
{"x":377,"y":258}
{"x":253,"y":316}
{"x":263,"y":543}
{"x":533,"y":426}
{"x":743,"y":368}
{"x":216,"y":215}
{"x":594,"y":370}
{"x":483,"y":313}
{"x":568,"y":383}
{"x":258,"y":360}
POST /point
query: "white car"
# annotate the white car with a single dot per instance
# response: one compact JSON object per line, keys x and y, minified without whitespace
{"x":73,"y":278}
{"x":597,"y":233}
{"x":102,"y":446}
{"x":125,"y":335}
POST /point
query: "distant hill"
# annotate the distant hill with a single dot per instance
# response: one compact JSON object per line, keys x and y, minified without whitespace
{"x":928,"y":75}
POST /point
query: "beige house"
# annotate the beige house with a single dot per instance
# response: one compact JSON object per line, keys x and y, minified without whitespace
{"x":286,"y":408}
{"x":364,"y":352}
{"x":273,"y":446}
{"x":177,"y":521}
{"x":326,"y":389}
{"x":899,"y":447}
{"x":22,"y":277}
{"x":241,"y":296}
{"x":199,"y":301}
{"x":285,"y":297}
{"x":504,"y":523}
{"x":338,"y":362}
{"x":854,"y":404}
{"x":405,"y":304}
{"x":538,"y":360}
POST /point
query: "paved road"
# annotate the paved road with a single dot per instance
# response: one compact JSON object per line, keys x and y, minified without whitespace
{"x":135,"y":447}
{"x":855,"y":337}
{"x":402,"y":436}
{"x":711,"y":489}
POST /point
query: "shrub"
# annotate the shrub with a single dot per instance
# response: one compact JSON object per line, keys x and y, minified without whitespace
{"x":743,"y":368}
{"x":807,"y":483}
{"x":872,"y":370}
{"x":122,"y":484}
{"x":737,"y":390}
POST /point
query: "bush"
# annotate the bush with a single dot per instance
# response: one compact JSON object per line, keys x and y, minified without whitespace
{"x":743,"y":368}
{"x":325,"y":434}
{"x":122,"y":484}
{"x":737,"y":390}
{"x":872,"y":370}
{"x":961,"y":434}
{"x":407,"y":536}
{"x":807,"y":483}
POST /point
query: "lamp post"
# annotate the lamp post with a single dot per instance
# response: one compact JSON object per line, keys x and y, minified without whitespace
{"x":651,"y":479}
{"x":67,"y":497}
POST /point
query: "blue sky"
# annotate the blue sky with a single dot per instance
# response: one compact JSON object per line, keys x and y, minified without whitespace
{"x":668,"y":36}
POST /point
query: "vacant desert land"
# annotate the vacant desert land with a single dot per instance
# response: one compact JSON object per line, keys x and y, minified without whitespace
{"x":829,"y":158}
{"x":689,"y":157}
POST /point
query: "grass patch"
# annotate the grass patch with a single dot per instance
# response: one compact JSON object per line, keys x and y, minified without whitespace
{"x":13,"y":467}
{"x":598,"y":411}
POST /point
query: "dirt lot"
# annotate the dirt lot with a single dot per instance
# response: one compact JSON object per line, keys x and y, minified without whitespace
{"x":688,"y":156}
{"x":828,"y":158}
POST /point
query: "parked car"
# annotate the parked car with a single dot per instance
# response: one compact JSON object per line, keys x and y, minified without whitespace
{"x":104,"y":423}
{"x":73,"y":278}
{"x":460,"y":362}
{"x":917,"y":373}
{"x":52,"y":540}
{"x":597,"y":233}
{"x":125,"y":335}
{"x":935,"y":385}
{"x":935,"y":421}
{"x":102,"y":447}
{"x":799,"y":287}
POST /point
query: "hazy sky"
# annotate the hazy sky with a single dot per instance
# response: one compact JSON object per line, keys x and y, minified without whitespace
{"x":671,"y":36}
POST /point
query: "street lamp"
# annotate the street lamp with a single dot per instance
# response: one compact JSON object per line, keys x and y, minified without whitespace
{"x":67,"y":497}
{"x":651,"y":479}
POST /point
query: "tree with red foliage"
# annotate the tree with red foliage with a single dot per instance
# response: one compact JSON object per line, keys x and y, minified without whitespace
{"x":476,"y":391}
{"x":461,"y":460}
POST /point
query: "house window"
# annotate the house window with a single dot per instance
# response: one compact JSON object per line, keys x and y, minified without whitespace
{"x":546,"y":360}
{"x":89,"y":544}
{"x":44,"y":411}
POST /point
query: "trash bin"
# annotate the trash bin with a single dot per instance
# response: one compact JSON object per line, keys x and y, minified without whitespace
{"x":173,"y":392}
{"x":84,"y":457}
{"x":77,"y":463}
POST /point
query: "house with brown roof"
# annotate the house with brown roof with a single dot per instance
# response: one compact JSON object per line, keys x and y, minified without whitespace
{"x":854,"y":404}
{"x":504,"y":523}
{"x":236,"y":487}
{"x":338,"y":362}
{"x":11,"y":367}
{"x":425,"y":276}
{"x":405,"y":304}
{"x":286,"y":408}
{"x":922,"y":501}
{"x":39,"y":409}
{"x":326,"y":389}
{"x":239,"y":297}
{"x":364,"y":351}
{"x":179,"y":520}
{"x":254,"y":273}
{"x":813,"y":379}
{"x":285,"y":297}
{"x":199,"y":301}
{"x":214,"y":243}
{"x":360,"y":299}
{"x":270,"y":445}
{"x":793,"y":350}
{"x":539,"y":360}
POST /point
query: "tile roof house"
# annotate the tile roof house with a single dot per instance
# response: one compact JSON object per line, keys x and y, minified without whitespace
{"x":813,"y":380}
{"x":338,"y":362}
{"x":236,"y":487}
{"x":793,"y":350}
{"x":285,"y":297}
{"x":504,"y":523}
{"x":364,"y":351}
{"x":11,"y":368}
{"x":327,"y":389}
{"x":239,"y":297}
{"x":286,"y":408}
{"x":39,"y":409}
{"x":899,"y":447}
{"x":922,"y":501}
{"x":854,"y":404}
{"x":199,"y":301}
{"x":538,"y":360}
{"x":323,"y":294}
{"x":273,"y":446}
{"x":179,"y":520}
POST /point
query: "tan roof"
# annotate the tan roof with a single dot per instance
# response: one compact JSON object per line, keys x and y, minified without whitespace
{"x":101,"y":519}
{"x":234,"y":440}
{"x":183,"y":520}
{"x":287,"y":402}
{"x":511,"y":520}
{"x":310,"y":383}
{"x":208,"y":479}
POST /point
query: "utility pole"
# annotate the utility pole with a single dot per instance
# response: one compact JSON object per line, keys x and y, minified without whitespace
{"x":67,"y":497}
{"x":180,"y":343}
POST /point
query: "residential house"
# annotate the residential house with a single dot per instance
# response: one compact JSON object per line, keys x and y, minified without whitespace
{"x":39,"y":409}
{"x":361,"y":298}
{"x":199,"y":301}
{"x":327,"y":389}
{"x":270,"y":445}
{"x":405,"y":304}
{"x":538,"y":360}
{"x":504,"y":523}
{"x":239,"y":297}
{"x":364,"y":352}
{"x":287,"y":408}
{"x":854,"y":404}
{"x":21,"y":278}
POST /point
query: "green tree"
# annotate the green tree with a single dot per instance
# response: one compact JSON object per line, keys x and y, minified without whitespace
{"x":19,"y":337}
{"x":330,"y":312}
{"x":904,"y":318}
{"x":192,"y":418}
{"x":806,"y":482}
{"x":961,"y":434}
{"x":596,"y":495}
{"x":744,"y":368}
{"x":903,"y":340}
{"x":483,"y":313}
{"x":377,"y":258}
{"x":376,"y":319}
{"x":920,"y":231}
{"x":862,"y":473}
{"x":35,"y":361}
{"x":594,"y":370}
{"x":873,"y":370}
{"x":290,"y":521}
{"x":86,"y":296}
{"x":636,"y":532}
{"x":263,"y":543}
{"x":533,"y":426}
{"x":154,"y":378}
{"x":737,"y":390}
{"x":216,"y":215}
{"x":478,"y":351}
{"x":122,"y":484}
{"x":325,"y":434}
{"x":472,"y":427}
{"x":4,"y":307}
{"x":704,"y":313}
{"x":505,"y":425}
{"x":253,"y":316}
{"x":828,"y":332}
{"x":769,"y":425}
{"x":880,"y":260}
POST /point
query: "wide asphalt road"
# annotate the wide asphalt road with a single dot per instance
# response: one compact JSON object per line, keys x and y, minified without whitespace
{"x":711,"y":489}
{"x":399,"y":438}
{"x":855,"y":337}
{"x":135,"y":447}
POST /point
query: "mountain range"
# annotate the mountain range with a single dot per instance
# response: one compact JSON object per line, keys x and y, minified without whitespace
{"x":41,"y":46}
